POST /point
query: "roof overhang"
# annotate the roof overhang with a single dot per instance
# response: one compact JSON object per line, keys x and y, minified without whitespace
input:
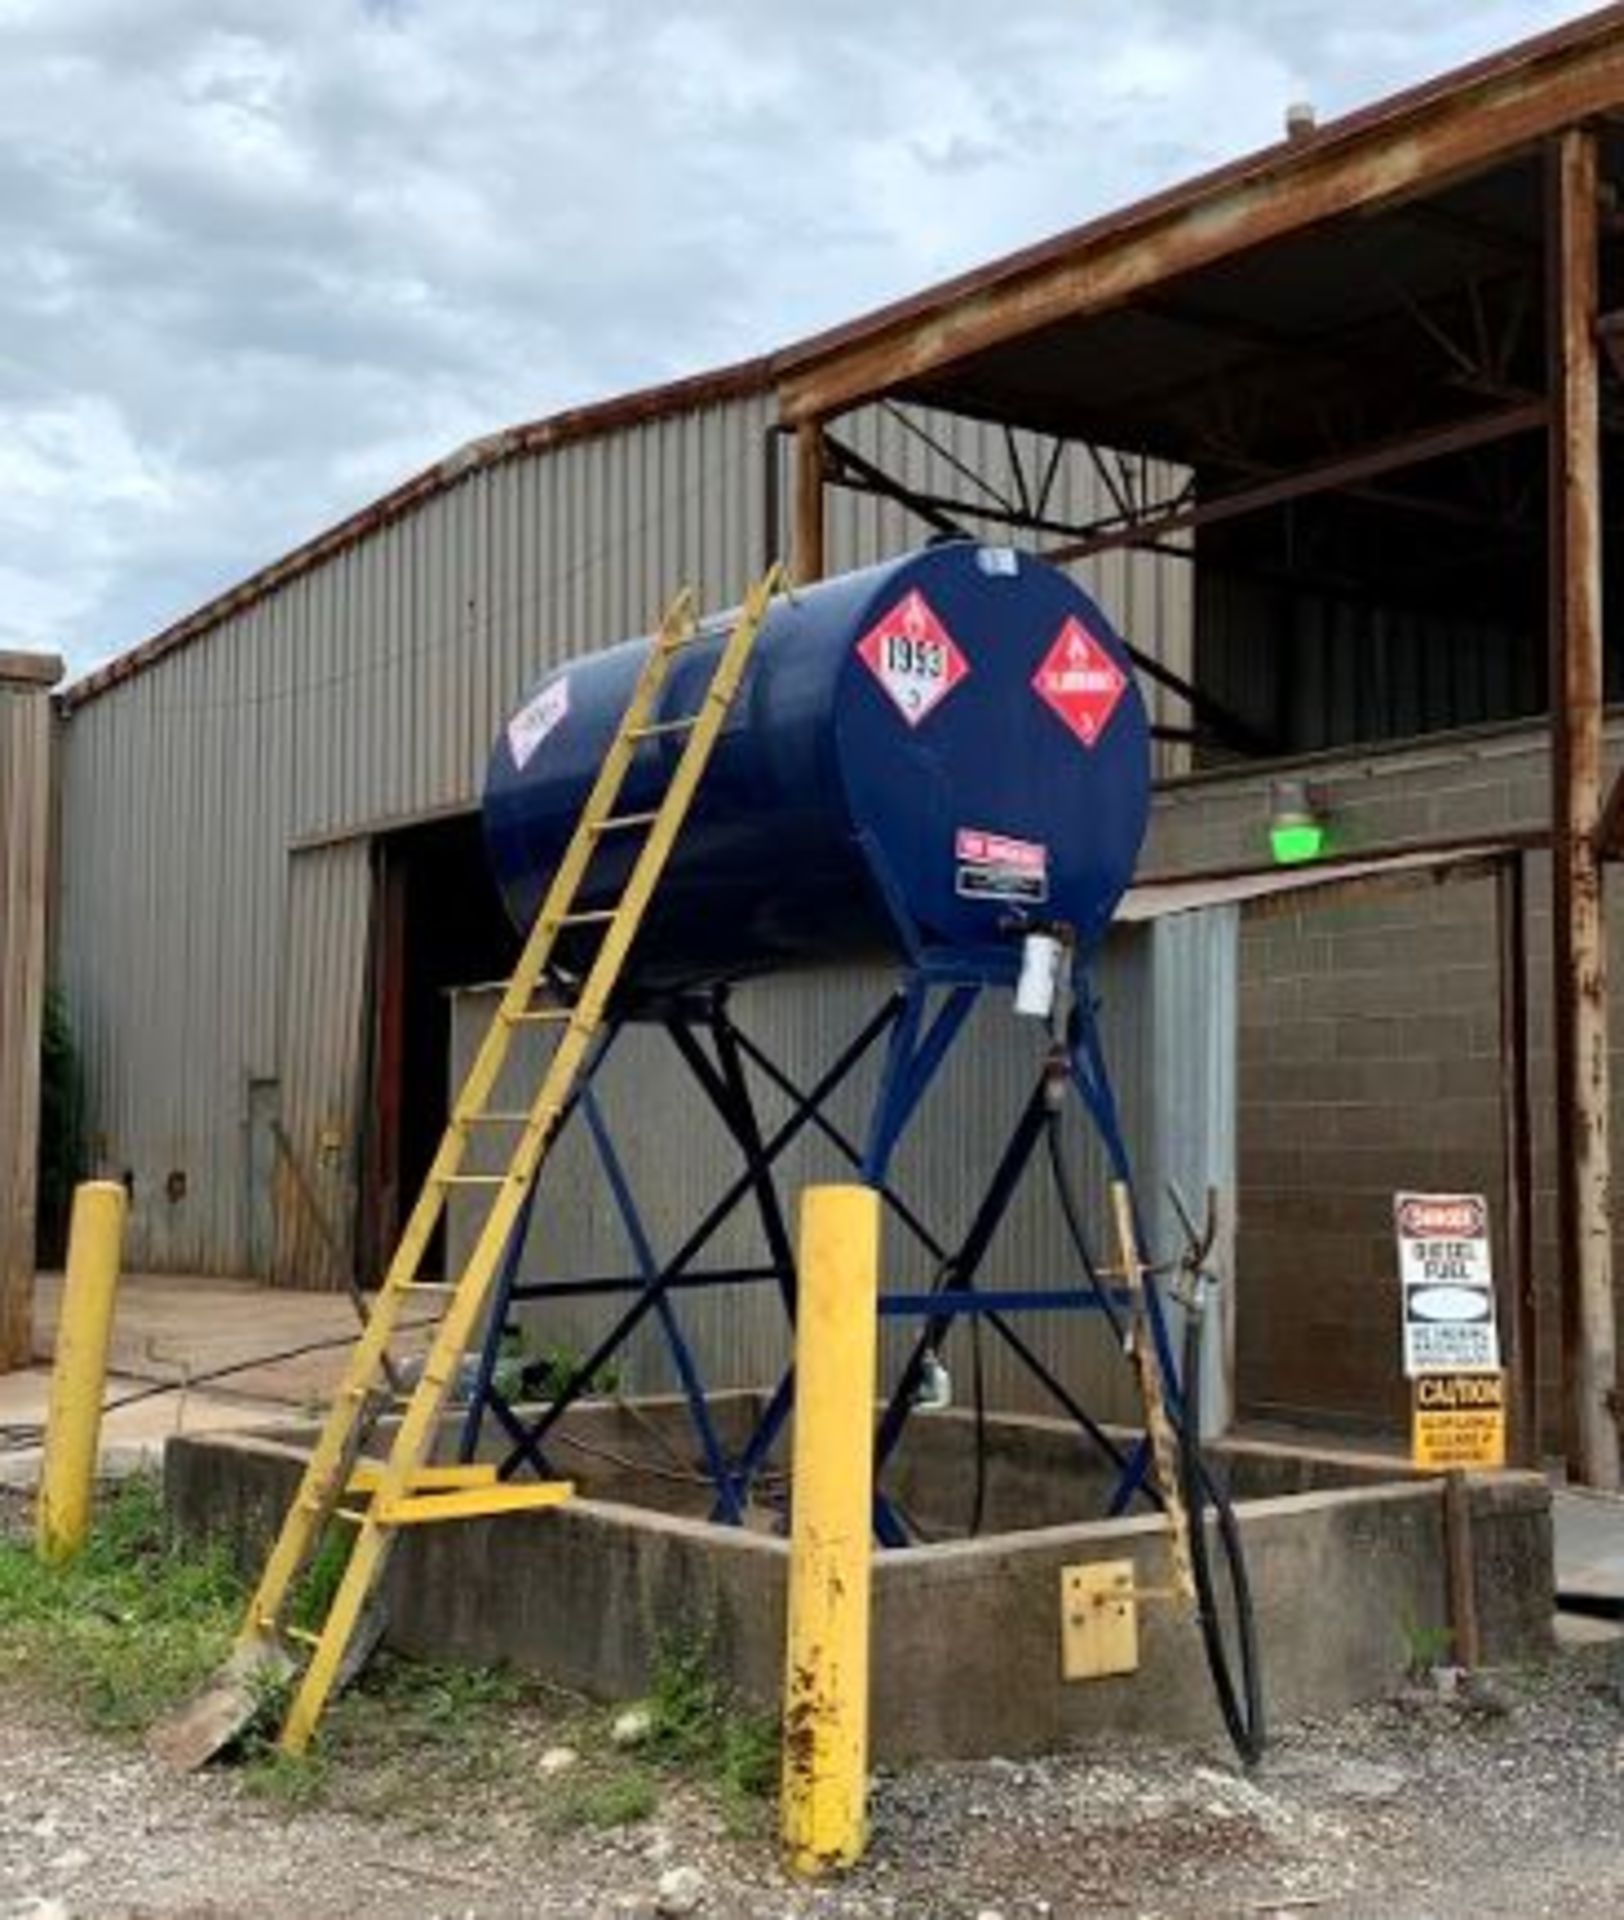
{"x":1423,"y":139}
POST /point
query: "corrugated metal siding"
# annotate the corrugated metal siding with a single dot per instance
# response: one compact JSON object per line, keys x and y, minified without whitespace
{"x":324,"y":978}
{"x":1312,"y":671}
{"x":367,"y":691}
{"x":1167,"y":996}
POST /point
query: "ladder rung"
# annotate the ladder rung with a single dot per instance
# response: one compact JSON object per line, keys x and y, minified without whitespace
{"x":428,"y":1286}
{"x":591,"y":917}
{"x":490,"y":1118}
{"x":471,"y":1179}
{"x":368,"y":1476}
{"x":625,"y":822}
{"x":474,"y":1503}
{"x":303,"y":1635}
{"x":657,"y":727}
{"x":541,"y":1016}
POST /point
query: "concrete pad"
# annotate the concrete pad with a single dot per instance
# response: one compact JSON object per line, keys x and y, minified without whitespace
{"x":181,"y":1326}
{"x":1586,"y":1630}
{"x":1589,"y":1530}
{"x":131,"y":1436}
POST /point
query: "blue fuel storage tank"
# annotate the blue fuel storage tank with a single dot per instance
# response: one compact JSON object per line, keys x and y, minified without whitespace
{"x":929,"y":754}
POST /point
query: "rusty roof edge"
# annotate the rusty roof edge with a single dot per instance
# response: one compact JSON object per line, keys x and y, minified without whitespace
{"x":1566,"y":43}
{"x":479,"y":455}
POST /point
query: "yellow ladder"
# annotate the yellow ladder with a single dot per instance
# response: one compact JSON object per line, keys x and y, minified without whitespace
{"x":403,"y":1489}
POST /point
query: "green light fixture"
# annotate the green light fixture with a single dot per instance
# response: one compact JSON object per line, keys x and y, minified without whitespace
{"x":1296,"y":826}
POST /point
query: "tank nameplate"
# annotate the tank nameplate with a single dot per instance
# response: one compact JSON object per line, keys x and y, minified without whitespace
{"x":992,"y":866}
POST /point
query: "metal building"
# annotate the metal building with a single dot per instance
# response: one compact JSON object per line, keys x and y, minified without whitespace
{"x":270,"y":871}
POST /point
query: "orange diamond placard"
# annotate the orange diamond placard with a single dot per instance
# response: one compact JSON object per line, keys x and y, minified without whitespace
{"x":913,"y":657}
{"x":1080,"y":681}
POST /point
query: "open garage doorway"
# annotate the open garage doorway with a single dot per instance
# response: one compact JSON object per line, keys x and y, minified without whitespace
{"x":438,"y":924}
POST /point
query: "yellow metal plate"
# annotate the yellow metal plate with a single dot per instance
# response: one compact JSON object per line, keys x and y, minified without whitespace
{"x":1459,"y":1420}
{"x":368,"y":1477}
{"x":1099,"y":1620}
{"x":474,"y":1503}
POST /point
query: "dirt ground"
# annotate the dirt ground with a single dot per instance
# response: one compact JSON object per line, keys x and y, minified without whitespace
{"x":1506,"y":1799}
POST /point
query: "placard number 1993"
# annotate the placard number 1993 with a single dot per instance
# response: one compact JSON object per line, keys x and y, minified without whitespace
{"x":905,"y":654}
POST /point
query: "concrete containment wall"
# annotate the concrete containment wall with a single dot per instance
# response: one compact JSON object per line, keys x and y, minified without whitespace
{"x":966,"y":1638}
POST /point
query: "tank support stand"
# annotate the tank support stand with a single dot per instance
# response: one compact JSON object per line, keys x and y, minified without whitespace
{"x":920,"y":1023}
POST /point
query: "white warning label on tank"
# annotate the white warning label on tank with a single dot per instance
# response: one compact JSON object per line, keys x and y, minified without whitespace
{"x":536,"y":719}
{"x":913,"y":657}
{"x":992,"y":866}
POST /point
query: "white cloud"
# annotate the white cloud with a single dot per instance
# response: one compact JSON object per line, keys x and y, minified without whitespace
{"x":261,"y":263}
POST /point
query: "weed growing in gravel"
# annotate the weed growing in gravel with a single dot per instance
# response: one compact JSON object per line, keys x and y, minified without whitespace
{"x":618,"y":1797}
{"x":696,"y":1726}
{"x":131,"y":1627}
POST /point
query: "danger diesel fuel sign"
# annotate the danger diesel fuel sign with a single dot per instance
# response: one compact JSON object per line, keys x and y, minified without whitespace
{"x":1451,"y":1338}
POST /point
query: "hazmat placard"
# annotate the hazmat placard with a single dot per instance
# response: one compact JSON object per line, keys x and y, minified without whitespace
{"x":1458,"y":1420}
{"x":913,"y":656}
{"x":1447,"y":1283}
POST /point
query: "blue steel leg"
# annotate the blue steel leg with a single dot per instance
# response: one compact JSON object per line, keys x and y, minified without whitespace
{"x":908,"y":1076}
{"x":855,"y":1050}
{"x":692,"y":1386}
{"x":484,"y":1392}
{"x":1093,"y":1083}
{"x":843,"y":1144}
{"x":507,"y":1276}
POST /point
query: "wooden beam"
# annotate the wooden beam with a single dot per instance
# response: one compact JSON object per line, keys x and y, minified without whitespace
{"x":1458,"y":126}
{"x":809,"y":469}
{"x":1578,"y":919}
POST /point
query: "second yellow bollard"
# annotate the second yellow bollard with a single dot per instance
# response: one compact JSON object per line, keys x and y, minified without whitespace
{"x":825,"y":1770}
{"x":79,"y":1375}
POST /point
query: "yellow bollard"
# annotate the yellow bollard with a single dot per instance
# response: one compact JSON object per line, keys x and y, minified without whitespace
{"x":78,"y":1379}
{"x":825,"y":1767}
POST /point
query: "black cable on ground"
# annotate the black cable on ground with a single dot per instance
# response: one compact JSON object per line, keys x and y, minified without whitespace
{"x":1240,"y":1704}
{"x":24,"y":1434}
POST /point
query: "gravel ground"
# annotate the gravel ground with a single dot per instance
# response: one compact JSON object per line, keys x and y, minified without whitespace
{"x":1507,"y":1799}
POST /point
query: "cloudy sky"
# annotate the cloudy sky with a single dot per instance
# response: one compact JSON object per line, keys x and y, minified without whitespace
{"x":262,"y":261}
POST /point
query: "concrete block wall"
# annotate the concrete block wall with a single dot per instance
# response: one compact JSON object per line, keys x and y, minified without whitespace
{"x":1369,"y":1058}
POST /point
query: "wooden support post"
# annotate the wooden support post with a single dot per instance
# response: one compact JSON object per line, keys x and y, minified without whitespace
{"x":1579,"y":974}
{"x":1519,"y":1289}
{"x":809,"y":469}
{"x":825,"y":1770}
{"x":1461,"y":1560}
{"x":25,"y":790}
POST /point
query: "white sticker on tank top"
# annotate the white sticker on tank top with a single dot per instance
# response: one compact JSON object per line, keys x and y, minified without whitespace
{"x":913,"y":657}
{"x":999,"y":562}
{"x":536,"y":719}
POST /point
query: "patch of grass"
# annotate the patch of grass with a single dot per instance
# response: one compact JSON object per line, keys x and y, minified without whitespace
{"x":131,"y":1627}
{"x":290,"y":1781}
{"x":620,"y":1796}
{"x":1426,"y":1647}
{"x":698,"y":1727}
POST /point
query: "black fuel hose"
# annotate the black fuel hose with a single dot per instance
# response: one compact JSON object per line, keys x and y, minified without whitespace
{"x":1240,"y":1693}
{"x":1240,"y":1704}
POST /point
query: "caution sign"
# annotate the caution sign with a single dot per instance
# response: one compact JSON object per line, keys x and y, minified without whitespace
{"x":913,"y":656}
{"x":1447,"y":1283}
{"x":1459,"y":1420}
